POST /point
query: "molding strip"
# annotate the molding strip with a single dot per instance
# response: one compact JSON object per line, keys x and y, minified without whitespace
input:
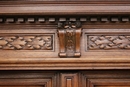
{"x":42,"y":19}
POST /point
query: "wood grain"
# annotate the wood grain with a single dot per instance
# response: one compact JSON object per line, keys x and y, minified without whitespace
{"x":106,"y":79}
{"x":75,"y":78}
{"x":35,"y":34}
{"x":27,"y":79}
{"x":63,"y":9}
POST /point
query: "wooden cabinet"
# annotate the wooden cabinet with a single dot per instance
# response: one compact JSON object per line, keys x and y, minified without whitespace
{"x":27,"y":79}
{"x":68,"y":43}
{"x":89,"y":78}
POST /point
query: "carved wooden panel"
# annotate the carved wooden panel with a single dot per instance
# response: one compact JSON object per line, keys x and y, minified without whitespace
{"x":69,"y":80}
{"x":83,"y":78}
{"x":27,"y":79}
{"x":108,"y":83}
{"x":106,"y":42}
{"x":106,"y":78}
{"x":26,"y":42}
{"x":32,"y":17}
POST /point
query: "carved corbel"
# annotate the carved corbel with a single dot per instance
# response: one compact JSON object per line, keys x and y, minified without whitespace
{"x":69,"y":38}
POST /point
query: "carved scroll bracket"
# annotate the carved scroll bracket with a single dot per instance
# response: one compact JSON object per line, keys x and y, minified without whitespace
{"x":69,"y":38}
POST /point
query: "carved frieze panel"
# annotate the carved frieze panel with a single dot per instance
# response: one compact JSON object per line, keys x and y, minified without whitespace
{"x":106,"y":42}
{"x":26,"y":42}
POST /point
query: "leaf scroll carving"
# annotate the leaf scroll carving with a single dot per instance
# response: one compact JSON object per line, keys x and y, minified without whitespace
{"x":26,"y":42}
{"x":109,"y":42}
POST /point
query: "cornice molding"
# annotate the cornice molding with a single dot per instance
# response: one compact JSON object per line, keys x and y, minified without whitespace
{"x":9,"y":2}
{"x":31,"y":19}
{"x":63,"y":9}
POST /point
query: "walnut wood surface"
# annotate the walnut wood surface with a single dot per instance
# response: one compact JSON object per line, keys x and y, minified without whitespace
{"x":64,"y":7}
{"x":96,"y":78}
{"x":33,"y":42}
{"x":93,"y":36}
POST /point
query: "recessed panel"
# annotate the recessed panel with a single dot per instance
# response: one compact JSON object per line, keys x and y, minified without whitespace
{"x":26,"y":42}
{"x":108,"y":42}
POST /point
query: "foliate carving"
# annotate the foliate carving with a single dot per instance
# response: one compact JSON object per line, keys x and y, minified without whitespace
{"x":69,"y":37}
{"x":29,"y":42}
{"x":109,"y":42}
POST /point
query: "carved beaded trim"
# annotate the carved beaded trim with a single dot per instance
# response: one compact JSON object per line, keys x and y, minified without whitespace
{"x":39,"y":19}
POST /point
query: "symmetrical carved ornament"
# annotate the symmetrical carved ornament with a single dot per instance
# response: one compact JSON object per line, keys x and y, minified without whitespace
{"x":69,"y":38}
{"x":109,"y":42}
{"x":26,"y":42}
